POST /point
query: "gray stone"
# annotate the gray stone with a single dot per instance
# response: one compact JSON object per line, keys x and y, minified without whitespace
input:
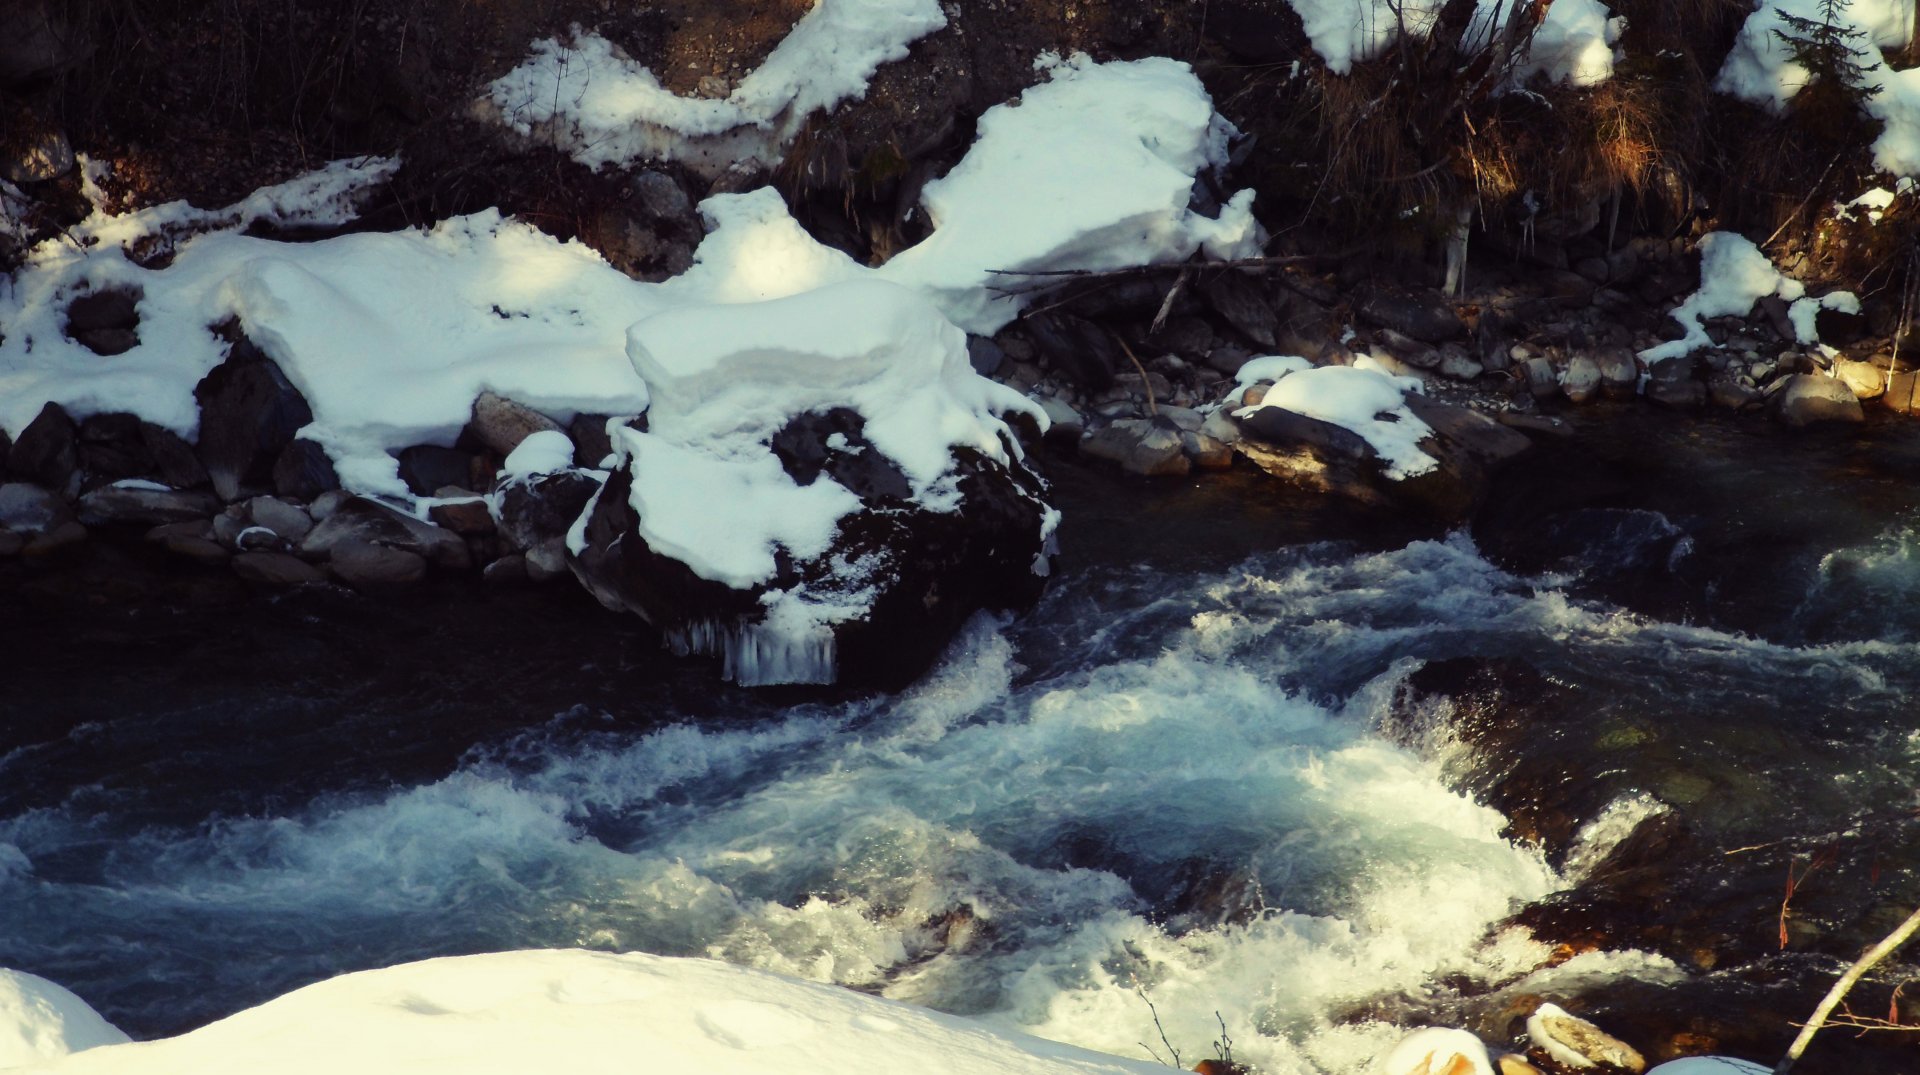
{"x":249,"y":413}
{"x":1581,"y":379}
{"x":426,"y":467}
{"x":1619,"y":372}
{"x":985,"y":356}
{"x":198,"y":549}
{"x":360,"y":520}
{"x":30,"y":509}
{"x":1536,"y":423}
{"x":1553,"y":1029}
{"x":464,"y":516}
{"x":1244,"y":304}
{"x":501,"y":423}
{"x":327,"y":503}
{"x":289,"y":521}
{"x":302,"y":471}
{"x":591,"y":445}
{"x":1810,"y":399}
{"x":1206,"y":453}
{"x":275,"y":570}
{"x":228,"y":526}
{"x":364,"y":565}
{"x":1219,"y":425}
{"x":1228,"y":359}
{"x":64,"y":536}
{"x":533,"y":509}
{"x":113,"y":308}
{"x":547,"y":561}
{"x":174,"y":463}
{"x":259,"y":539}
{"x":1684,"y":395}
{"x":1139,"y":447}
{"x":1066,"y":424}
{"x":107,"y":342}
{"x":1727,"y":393}
{"x":1425,"y":316}
{"x":1456,"y":363}
{"x":1407,"y":349}
{"x":1541,"y":379}
{"x":39,"y":153}
{"x":1184,"y":418}
{"x":48,"y":451}
{"x":1867,"y":380}
{"x":139,"y":503}
{"x":509,"y":569}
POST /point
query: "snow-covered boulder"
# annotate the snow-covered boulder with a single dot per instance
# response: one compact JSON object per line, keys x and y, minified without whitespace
{"x":821,"y":491}
{"x":1364,"y":434}
{"x":42,"y":1021}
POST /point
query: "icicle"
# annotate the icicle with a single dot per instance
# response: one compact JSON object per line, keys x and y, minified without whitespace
{"x":759,"y":655}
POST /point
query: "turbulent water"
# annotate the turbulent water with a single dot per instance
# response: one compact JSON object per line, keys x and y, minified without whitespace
{"x":1178,"y":792}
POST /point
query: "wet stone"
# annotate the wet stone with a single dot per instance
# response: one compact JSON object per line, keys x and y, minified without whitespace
{"x":275,"y":570}
{"x":29,"y":509}
{"x":364,"y":565}
{"x":142,"y":503}
{"x":501,"y":423}
{"x":303,"y":472}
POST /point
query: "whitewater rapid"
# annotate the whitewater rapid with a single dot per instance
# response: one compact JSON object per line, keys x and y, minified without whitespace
{"x":1180,"y":796}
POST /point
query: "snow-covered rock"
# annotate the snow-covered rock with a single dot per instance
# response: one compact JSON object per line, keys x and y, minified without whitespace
{"x":823,"y":491}
{"x":1359,"y":432}
{"x":41,"y":1021}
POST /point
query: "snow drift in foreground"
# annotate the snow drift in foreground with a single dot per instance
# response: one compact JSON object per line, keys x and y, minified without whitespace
{"x":583,"y":1013}
{"x":1574,"y":44}
{"x":589,"y":98}
{"x":391,"y":336}
{"x":41,"y":1021}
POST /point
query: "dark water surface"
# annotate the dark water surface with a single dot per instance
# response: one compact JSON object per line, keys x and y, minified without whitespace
{"x":1306,"y":767}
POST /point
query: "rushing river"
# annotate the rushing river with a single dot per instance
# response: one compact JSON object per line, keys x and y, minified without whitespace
{"x":1250,"y":763}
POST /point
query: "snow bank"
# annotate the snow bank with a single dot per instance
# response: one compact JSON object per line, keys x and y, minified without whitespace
{"x":1369,"y":402}
{"x":586,"y":1013}
{"x":1574,"y":44}
{"x":726,"y":378}
{"x":1092,"y":169}
{"x":590,"y":99}
{"x":1734,"y":275}
{"x":1759,"y":69}
{"x":41,"y":1021}
{"x":390,"y":337}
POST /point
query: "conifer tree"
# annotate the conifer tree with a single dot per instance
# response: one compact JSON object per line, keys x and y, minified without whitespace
{"x":1827,"y":48}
